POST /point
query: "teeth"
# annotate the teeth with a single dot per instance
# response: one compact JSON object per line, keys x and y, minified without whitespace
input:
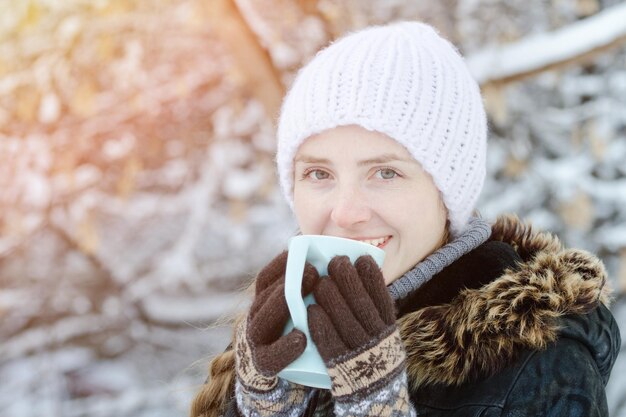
{"x":375,"y":242}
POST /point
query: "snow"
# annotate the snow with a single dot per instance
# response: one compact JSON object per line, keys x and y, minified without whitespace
{"x":127,"y":328}
{"x":610,"y":192}
{"x":539,"y":51}
{"x":205,"y":309}
{"x":50,"y":108}
{"x":36,"y":191}
{"x":86,"y":175}
{"x":120,"y":147}
{"x":613,"y":237}
{"x":242,"y":184}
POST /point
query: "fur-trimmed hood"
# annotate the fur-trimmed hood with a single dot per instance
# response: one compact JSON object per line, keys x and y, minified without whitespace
{"x":480,"y":330}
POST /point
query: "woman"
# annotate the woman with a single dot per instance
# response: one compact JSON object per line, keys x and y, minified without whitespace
{"x":382,"y":138}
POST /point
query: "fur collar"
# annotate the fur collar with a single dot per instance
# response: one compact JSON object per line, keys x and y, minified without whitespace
{"x":481,"y":330}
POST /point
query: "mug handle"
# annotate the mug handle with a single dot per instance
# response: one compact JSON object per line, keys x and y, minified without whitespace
{"x":298,"y":249}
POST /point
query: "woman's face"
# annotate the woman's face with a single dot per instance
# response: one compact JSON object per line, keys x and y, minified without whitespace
{"x":358,"y":184}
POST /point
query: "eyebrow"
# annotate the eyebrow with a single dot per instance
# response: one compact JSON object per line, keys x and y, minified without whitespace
{"x":384,"y":158}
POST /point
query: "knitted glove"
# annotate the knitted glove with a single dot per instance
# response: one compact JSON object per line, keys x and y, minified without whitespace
{"x":353,"y":327}
{"x":262,"y":351}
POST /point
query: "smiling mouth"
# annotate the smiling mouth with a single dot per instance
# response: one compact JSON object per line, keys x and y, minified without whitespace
{"x":379,"y":243}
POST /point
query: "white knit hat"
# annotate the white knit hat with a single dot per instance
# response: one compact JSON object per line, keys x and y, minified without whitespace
{"x":407,"y":82}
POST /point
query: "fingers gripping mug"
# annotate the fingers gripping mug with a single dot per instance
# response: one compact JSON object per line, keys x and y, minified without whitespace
{"x":309,"y":369}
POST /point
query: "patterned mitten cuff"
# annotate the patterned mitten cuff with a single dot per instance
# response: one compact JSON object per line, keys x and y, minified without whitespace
{"x":391,"y":399}
{"x":368,"y":368}
{"x":247,"y":372}
{"x":260,"y":395}
{"x":372,"y":380}
{"x":285,"y":399}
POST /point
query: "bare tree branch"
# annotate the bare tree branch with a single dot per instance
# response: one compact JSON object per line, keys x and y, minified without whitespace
{"x":252,"y":59}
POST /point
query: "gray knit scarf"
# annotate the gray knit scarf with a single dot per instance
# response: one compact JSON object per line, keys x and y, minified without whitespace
{"x":477,"y":232}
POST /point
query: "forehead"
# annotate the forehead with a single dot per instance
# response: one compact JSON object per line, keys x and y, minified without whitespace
{"x":351,"y":142}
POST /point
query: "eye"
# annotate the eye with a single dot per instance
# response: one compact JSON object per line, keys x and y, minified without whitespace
{"x":387,"y":173}
{"x":318,"y":174}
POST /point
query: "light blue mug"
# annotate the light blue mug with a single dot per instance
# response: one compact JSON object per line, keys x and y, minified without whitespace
{"x":309,"y":369}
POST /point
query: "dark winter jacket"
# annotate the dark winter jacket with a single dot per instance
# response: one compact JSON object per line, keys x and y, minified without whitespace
{"x":517,"y":327}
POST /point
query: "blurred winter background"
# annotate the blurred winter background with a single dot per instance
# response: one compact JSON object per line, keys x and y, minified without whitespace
{"x":138,"y":193}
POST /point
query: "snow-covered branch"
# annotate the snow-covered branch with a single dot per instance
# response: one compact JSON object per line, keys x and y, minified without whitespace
{"x":573,"y":43}
{"x":252,"y":59}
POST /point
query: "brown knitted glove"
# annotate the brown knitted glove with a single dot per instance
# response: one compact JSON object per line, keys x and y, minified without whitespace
{"x":261,"y":350}
{"x":353,"y":327}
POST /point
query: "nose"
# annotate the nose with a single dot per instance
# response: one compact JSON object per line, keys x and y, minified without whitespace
{"x":350,"y":208}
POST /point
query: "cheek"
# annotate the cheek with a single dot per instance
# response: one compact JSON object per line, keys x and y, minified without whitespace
{"x":396,"y":210}
{"x":422,"y":223}
{"x":308,"y":212}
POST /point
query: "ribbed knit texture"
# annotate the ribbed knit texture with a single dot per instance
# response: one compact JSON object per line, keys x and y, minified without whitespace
{"x":477,"y":233}
{"x":407,"y":82}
